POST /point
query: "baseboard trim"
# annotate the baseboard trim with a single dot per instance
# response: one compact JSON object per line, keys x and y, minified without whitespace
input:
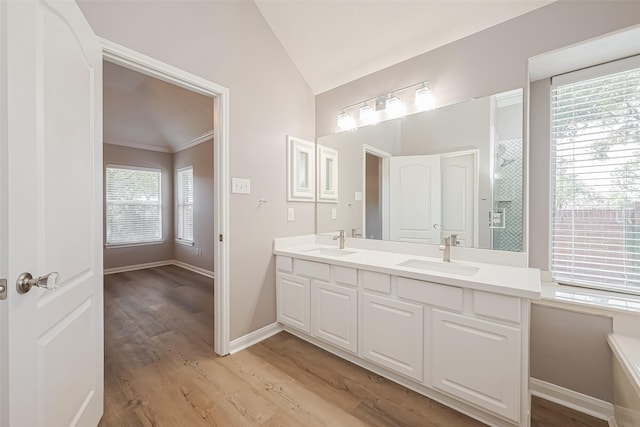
{"x":572,"y":399}
{"x":195,"y":269}
{"x":177,"y":263}
{"x":254,"y":337}
{"x":137,"y":267}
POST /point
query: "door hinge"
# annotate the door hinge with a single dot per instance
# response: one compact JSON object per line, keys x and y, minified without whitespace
{"x":220,"y":237}
{"x":3,"y":289}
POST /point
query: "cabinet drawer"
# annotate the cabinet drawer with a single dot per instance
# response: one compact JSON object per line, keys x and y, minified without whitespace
{"x":284,"y":263}
{"x":376,"y":281}
{"x":345,"y":275}
{"x":430,"y":293}
{"x":497,"y":306}
{"x":317,"y":270}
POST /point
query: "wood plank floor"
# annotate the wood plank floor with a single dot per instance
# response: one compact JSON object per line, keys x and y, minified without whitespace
{"x":160,"y":370}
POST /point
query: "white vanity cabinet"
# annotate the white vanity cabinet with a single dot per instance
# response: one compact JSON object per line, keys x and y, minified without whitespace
{"x":478,"y":361}
{"x":293,"y":300}
{"x":392,"y":334}
{"x":318,"y":299}
{"x":463,"y":346}
{"x":336,"y":315}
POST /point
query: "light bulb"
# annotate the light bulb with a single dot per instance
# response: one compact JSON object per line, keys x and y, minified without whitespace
{"x":424,"y":98}
{"x":395,"y":108}
{"x":367,"y":115}
{"x":346,"y":122}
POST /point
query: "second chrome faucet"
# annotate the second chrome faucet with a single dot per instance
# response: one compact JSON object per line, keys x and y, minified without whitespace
{"x":447,"y":242}
{"x":340,"y":236}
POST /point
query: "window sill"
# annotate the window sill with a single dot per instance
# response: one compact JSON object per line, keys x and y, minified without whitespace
{"x":184,"y":242}
{"x":132,"y":245}
{"x":590,"y":300}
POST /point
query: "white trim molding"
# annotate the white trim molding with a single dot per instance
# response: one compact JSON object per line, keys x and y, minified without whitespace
{"x":199,"y":270}
{"x":254,"y":337}
{"x":572,"y":399}
{"x":137,"y":266}
{"x":193,"y":268}
{"x":137,"y":61}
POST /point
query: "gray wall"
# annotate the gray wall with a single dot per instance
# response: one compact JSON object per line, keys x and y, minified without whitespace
{"x":126,"y":156}
{"x":201,"y":158}
{"x":229,"y":43}
{"x":562,"y":339}
{"x":492,"y":61}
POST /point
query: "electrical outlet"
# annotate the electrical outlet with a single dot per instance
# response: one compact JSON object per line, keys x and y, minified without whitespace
{"x":334,"y":213}
{"x":291,"y":214}
{"x":241,"y":185}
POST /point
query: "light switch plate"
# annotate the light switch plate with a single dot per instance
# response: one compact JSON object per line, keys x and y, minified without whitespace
{"x":334,"y":213}
{"x":358,"y":196}
{"x":291,"y":214}
{"x":241,"y":185}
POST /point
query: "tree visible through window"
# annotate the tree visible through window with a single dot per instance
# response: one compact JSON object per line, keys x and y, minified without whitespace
{"x":184,"y":202}
{"x":133,"y":205}
{"x":595,"y":131}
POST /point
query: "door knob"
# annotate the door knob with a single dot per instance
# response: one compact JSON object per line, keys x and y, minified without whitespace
{"x":26,"y":281}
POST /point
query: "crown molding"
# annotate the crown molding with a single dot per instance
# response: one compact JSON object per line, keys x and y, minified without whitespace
{"x":195,"y":141}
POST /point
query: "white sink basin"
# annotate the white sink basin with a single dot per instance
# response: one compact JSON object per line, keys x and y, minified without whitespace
{"x":442,"y":267}
{"x":329,"y":252}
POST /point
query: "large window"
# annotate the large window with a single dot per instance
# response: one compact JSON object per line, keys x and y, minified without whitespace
{"x":595,"y":133}
{"x":184,"y":205}
{"x":134,"y":205}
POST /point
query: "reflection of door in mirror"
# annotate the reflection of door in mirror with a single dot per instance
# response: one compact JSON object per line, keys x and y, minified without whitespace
{"x":459,"y":206}
{"x":414,"y":193}
{"x":434,"y":196}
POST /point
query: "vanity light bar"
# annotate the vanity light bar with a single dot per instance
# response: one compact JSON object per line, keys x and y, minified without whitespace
{"x":386,"y":107}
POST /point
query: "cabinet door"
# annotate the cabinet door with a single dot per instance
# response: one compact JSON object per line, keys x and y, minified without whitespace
{"x":336,"y":315}
{"x":392,"y":334}
{"x":293,"y":301}
{"x":477,"y":361}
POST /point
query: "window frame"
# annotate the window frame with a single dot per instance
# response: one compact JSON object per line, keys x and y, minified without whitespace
{"x":593,"y":72}
{"x":178,"y":205}
{"x":160,"y":240}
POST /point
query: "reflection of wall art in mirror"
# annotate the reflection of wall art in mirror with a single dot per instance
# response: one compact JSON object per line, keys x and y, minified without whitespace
{"x":327,"y":174}
{"x":432,"y":174}
{"x":300,"y":170}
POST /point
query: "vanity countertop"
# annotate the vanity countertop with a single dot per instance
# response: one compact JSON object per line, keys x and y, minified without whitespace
{"x":506,"y":280}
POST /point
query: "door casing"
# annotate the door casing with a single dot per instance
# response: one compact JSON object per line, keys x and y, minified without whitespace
{"x":125,"y":57}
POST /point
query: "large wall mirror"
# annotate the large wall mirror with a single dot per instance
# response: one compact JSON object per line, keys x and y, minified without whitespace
{"x":454,"y":170}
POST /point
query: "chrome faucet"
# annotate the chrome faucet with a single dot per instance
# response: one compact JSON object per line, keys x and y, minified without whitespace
{"x":454,"y":240}
{"x":341,"y":237}
{"x":446,"y":249}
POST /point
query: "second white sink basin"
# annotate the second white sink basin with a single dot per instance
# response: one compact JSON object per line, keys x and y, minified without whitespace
{"x":330,"y":251}
{"x":442,"y":267}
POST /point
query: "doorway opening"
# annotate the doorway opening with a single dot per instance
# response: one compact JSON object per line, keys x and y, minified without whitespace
{"x":375,"y":193}
{"x":120,"y":56}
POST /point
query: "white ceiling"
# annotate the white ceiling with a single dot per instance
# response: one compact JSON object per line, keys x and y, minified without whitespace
{"x":144,"y":112}
{"x":331,"y":43}
{"x":335,"y":42}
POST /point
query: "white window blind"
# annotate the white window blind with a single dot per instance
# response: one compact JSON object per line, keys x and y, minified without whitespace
{"x":595,"y":133}
{"x":184,"y":202}
{"x":134,"y":205}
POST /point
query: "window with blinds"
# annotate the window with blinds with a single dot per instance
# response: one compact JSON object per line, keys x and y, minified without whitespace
{"x":133,"y":205}
{"x":184,"y":204}
{"x":595,"y":156}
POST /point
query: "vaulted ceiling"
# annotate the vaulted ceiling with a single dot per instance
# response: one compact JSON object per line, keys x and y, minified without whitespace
{"x":144,"y":112}
{"x":335,"y":42}
{"x":331,"y":43}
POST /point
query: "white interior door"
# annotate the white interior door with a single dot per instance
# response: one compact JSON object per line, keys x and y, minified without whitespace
{"x":459,"y":201}
{"x":53,"y":215}
{"x":414,"y":196}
